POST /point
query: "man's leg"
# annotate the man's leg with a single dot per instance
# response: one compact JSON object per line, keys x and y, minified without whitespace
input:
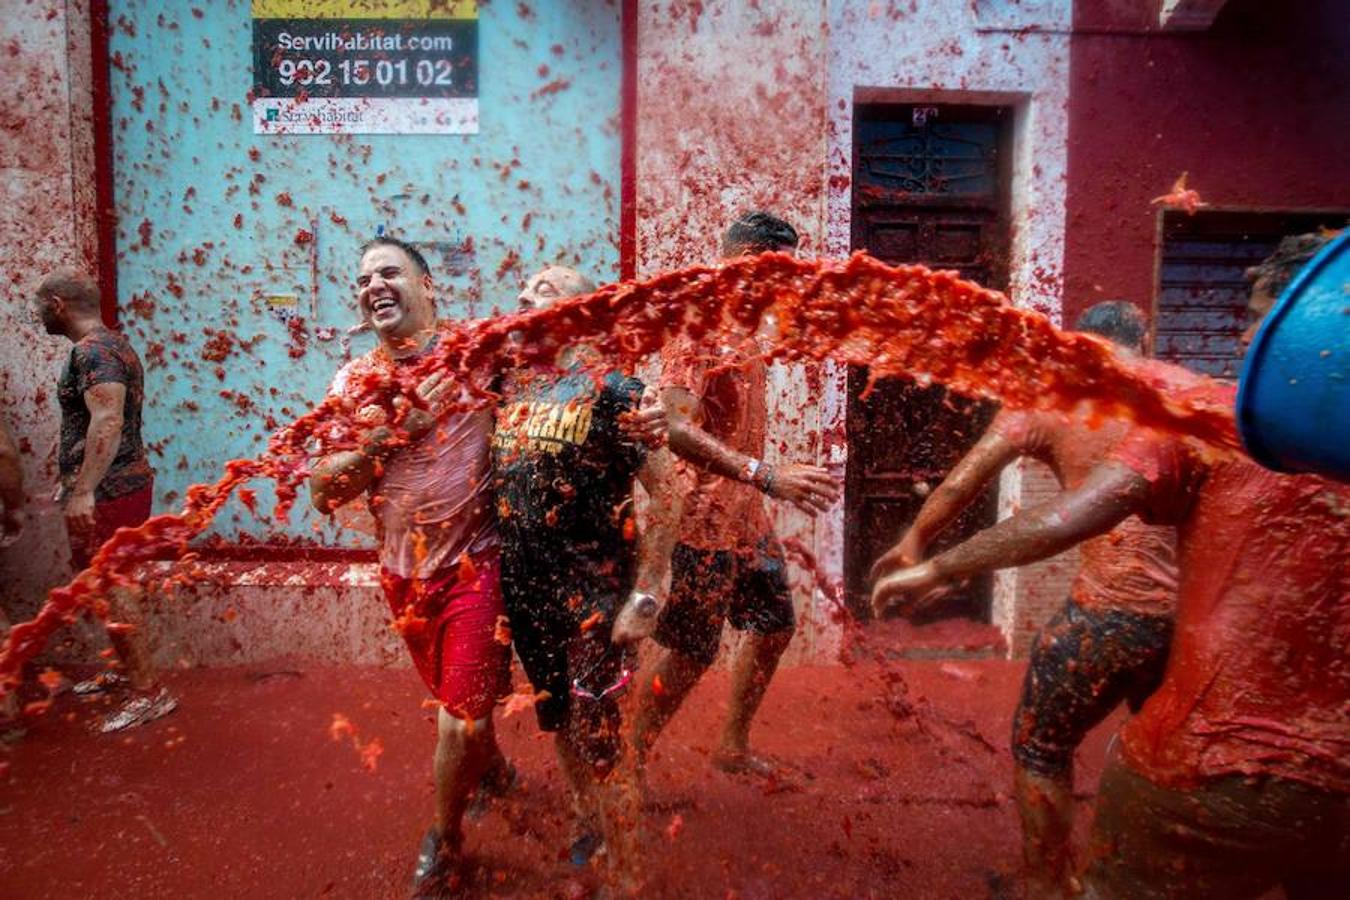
{"x":150,"y":699}
{"x":1083,"y":664}
{"x":618,"y":803}
{"x":590,"y":749}
{"x":464,"y":751}
{"x":586,"y":815}
{"x":755,"y":665}
{"x":689,"y":631}
{"x":459,"y":658}
{"x":125,"y":607}
{"x":124,"y":602}
{"x":1046,"y":732}
{"x":761,"y":608}
{"x":1045,"y":806}
{"x":672,"y":678}
{"x":605,"y":797}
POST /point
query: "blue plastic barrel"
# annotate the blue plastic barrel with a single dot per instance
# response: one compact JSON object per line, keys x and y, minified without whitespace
{"x":1293,"y":403}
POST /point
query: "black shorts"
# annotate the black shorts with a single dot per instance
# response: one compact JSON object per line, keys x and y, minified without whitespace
{"x":1083,"y":664}
{"x":559,"y":641}
{"x":747,"y":587}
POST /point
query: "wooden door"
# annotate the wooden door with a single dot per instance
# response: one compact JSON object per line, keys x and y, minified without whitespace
{"x":930,"y":186}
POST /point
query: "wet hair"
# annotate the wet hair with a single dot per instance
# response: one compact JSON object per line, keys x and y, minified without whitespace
{"x":757,"y":232}
{"x":414,"y":254}
{"x":1291,"y":254}
{"x":1119,"y":321}
{"x":72,"y":286}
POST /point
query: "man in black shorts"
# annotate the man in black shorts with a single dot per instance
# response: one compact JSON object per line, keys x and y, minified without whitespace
{"x":581,"y":586}
{"x":728,"y":565}
{"x":1109,"y":642}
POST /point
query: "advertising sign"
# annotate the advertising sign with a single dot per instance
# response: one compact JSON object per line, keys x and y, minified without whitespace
{"x":365,"y":67}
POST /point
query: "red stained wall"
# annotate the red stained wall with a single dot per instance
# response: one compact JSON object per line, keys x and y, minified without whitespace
{"x":1255,"y":109}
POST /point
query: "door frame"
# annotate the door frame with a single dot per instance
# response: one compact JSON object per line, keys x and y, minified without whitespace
{"x":1007,"y":111}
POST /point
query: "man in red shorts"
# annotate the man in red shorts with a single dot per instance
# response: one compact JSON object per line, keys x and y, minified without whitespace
{"x":1108,"y":643}
{"x":1235,"y":775}
{"x":428,"y":483}
{"x":728,"y":566}
{"x":106,"y":480}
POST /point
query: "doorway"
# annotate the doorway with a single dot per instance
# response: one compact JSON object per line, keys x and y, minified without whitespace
{"x":930,"y":186}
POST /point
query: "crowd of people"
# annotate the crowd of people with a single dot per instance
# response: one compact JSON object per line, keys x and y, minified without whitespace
{"x":1212,"y":595}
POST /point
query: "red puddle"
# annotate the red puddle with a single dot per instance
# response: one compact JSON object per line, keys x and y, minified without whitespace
{"x":255,"y":800}
{"x":906,"y":320}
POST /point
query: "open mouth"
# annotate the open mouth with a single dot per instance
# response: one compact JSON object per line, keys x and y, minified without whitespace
{"x":383,"y":305}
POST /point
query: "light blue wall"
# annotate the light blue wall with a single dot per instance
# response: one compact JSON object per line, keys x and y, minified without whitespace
{"x":187,"y":163}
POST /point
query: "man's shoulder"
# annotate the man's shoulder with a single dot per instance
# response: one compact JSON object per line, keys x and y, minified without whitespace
{"x":1011,"y":422}
{"x":103,"y":342}
{"x":104,"y":355}
{"x":1173,"y":378}
{"x":349,"y":373}
{"x":625,"y":388}
{"x":1030,"y":430}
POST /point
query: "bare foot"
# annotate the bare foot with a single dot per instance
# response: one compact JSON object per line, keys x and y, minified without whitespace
{"x":743,"y":762}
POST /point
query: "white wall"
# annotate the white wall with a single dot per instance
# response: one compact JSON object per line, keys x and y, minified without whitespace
{"x":46,"y":217}
{"x":986,"y":52}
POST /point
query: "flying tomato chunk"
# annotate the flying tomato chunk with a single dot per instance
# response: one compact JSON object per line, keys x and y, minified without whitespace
{"x":1181,"y":198}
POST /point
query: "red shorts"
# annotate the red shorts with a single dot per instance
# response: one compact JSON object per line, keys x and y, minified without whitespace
{"x":451,"y":629}
{"x":126,"y":511}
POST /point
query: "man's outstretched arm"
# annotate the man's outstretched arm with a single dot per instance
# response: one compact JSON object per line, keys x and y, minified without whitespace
{"x":810,"y":488}
{"x":1107,"y":496}
{"x":961,"y":486}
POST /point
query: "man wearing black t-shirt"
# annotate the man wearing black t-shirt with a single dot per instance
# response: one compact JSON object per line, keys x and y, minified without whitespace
{"x":106,"y":479}
{"x":581,"y":586}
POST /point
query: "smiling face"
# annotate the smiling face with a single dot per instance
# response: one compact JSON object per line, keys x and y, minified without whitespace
{"x":394,"y":296}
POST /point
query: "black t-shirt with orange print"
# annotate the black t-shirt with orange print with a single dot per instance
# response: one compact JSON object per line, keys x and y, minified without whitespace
{"x":563,"y":473}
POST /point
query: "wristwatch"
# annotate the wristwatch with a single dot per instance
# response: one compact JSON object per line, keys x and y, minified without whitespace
{"x":750,"y":471}
{"x":644,"y":604}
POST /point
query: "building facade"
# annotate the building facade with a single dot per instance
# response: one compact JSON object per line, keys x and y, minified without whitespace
{"x":1020,"y":143}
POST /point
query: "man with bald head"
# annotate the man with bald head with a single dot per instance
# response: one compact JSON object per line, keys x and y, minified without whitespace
{"x":581,"y":586}
{"x":106,"y":480}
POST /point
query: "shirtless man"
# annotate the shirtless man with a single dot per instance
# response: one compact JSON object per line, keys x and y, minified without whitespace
{"x":728,"y":565}
{"x":1234,"y":776}
{"x":428,"y":483}
{"x":581,"y":586}
{"x":1108,"y":643}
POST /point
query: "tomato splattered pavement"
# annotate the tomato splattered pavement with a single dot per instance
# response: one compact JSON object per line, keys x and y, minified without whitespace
{"x":243,"y":793}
